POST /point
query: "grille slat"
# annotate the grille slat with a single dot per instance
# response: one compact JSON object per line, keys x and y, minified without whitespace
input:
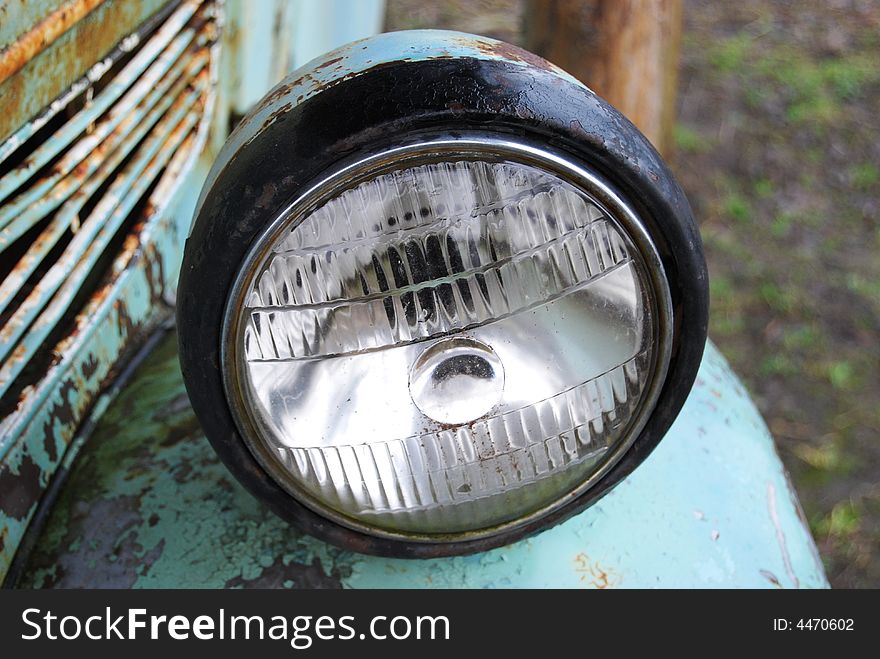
{"x":83,"y":159}
{"x":171,"y":30}
{"x":80,"y":86}
{"x":85,"y":187}
{"x":118,"y":146}
{"x":87,"y":245}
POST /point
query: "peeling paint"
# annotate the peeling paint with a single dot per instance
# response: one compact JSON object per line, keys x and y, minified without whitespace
{"x":594,"y":574}
{"x":149,"y":460}
{"x":290,"y":575}
{"x":360,"y":57}
{"x":129,"y":302}
{"x":35,"y":40}
{"x":20,"y":488}
{"x":55,"y":52}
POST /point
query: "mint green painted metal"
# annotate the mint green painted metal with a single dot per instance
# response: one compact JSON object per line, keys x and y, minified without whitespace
{"x":36,"y":436}
{"x":26,"y":14}
{"x":137,"y":285}
{"x":149,"y":505}
{"x":317,"y":28}
{"x":83,"y":183}
{"x":168,"y":44}
{"x":354,"y":59}
{"x":66,"y":276}
{"x":299,"y":31}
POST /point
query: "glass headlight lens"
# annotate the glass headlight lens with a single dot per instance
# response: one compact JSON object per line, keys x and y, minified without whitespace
{"x":445,"y":346}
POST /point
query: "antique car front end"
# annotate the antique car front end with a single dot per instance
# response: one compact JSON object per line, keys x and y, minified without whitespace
{"x":114,"y":114}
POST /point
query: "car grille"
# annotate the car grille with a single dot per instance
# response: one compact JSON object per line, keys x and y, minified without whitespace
{"x":79,"y":181}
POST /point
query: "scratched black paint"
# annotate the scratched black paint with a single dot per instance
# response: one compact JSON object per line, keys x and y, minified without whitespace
{"x":400,"y":103}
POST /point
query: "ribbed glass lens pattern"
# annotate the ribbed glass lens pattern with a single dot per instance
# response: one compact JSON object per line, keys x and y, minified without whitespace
{"x":446,"y":347}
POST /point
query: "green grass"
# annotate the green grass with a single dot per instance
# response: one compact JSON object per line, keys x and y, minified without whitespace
{"x":861,"y":285}
{"x":780,"y":299}
{"x":690,"y":141}
{"x":787,"y":197}
{"x":824,"y":458}
{"x":802,"y":337}
{"x":778,"y":364}
{"x":841,"y":375}
{"x":738,"y":208}
{"x":843,"y":521}
{"x":812,"y":88}
{"x":731,"y":54}
{"x":781,"y":225}
{"x":865,"y":176}
{"x":727,"y":316}
{"x":764,"y":188}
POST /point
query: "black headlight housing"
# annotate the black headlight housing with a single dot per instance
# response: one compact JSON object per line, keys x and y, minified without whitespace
{"x":373,"y":104}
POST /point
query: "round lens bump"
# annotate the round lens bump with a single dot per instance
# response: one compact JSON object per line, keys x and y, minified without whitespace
{"x":457,"y":380}
{"x":517,"y":257}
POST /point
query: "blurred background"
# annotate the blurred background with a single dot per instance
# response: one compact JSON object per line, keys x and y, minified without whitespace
{"x":773,"y":130}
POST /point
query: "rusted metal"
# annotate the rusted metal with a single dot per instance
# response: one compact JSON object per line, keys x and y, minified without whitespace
{"x":19,"y":53}
{"x":47,"y":192}
{"x":167,"y":44}
{"x":176,"y":58}
{"x":358,"y":58}
{"x":116,"y":317}
{"x":68,"y":57}
{"x":76,"y":90}
{"x":134,"y":292}
{"x":57,"y":288}
{"x":510,"y":53}
{"x":85,"y":179}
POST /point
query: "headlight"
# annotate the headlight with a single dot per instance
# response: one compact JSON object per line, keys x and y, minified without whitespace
{"x":425,"y":310}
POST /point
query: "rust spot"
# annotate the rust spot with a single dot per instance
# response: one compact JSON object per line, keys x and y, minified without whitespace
{"x":112,"y":528}
{"x":176,"y":434}
{"x":125,"y":323}
{"x":154,"y":271}
{"x":582,"y":133}
{"x":63,"y":409}
{"x":329,"y":62}
{"x":31,"y":43}
{"x":510,"y":52}
{"x":279,"y":92}
{"x":50,"y":445}
{"x":266,"y":196}
{"x":67,"y":59}
{"x":65,"y":414}
{"x":769,"y":576}
{"x":21,"y":490}
{"x":593,"y":573}
{"x":278,"y":112}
